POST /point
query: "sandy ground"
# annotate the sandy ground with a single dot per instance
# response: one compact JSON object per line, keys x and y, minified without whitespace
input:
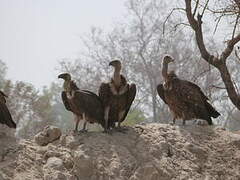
{"x":143,"y":152}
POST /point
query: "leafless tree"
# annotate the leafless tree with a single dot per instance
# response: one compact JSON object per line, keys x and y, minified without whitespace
{"x":219,"y":62}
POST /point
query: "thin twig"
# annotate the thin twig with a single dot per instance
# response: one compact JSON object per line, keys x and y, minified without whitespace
{"x":216,"y":26}
{"x":235,"y":26}
{"x":217,"y":87}
{"x":165,"y":21}
{"x":200,"y":75}
{"x":205,"y":8}
{"x":195,"y":9}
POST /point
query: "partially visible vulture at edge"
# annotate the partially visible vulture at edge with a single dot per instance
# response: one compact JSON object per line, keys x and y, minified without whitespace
{"x":117,"y":97}
{"x":84,"y":104}
{"x":185,"y":99}
{"x":5,"y":116}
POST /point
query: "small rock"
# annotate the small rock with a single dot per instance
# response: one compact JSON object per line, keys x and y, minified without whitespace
{"x":54,"y":163}
{"x":55,"y":176}
{"x":48,"y":135}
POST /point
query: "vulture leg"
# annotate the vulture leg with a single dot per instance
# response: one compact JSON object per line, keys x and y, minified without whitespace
{"x":119,"y":118}
{"x":119,"y":127}
{"x":84,"y":124}
{"x":77,"y":119}
{"x":184,"y":122}
{"x":106,"y":115}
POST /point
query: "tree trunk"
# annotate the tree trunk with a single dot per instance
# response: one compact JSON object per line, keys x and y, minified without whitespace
{"x":231,"y":90}
{"x":219,"y":63}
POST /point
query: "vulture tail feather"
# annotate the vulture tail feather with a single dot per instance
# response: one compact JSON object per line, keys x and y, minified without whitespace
{"x":212,"y":112}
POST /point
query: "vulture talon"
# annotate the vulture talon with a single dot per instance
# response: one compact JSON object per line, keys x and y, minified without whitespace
{"x":172,"y":123}
{"x":83,"y":131}
{"x":74,"y":132}
{"x":107,"y":131}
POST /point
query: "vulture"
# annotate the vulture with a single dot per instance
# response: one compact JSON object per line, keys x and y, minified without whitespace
{"x":83,"y":104}
{"x":185,"y":99}
{"x":5,"y":116}
{"x":117,"y":97}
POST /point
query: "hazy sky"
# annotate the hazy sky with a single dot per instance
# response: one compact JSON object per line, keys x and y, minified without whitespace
{"x":36,"y":34}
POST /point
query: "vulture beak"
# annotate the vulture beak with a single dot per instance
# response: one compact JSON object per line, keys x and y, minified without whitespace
{"x":65,"y":76}
{"x":111,"y":63}
{"x":61,"y":76}
{"x":115,"y":63}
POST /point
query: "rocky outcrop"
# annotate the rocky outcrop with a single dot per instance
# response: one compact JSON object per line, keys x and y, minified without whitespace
{"x":48,"y":135}
{"x":143,"y":152}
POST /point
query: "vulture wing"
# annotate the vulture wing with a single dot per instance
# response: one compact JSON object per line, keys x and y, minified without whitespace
{"x":104,"y":93}
{"x":131,"y":93}
{"x":160,"y":91}
{"x":193,"y":96}
{"x":90,"y":103}
{"x":5,"y":116}
{"x":91,"y":93}
{"x":189,"y":92}
{"x":209,"y":107}
{"x":65,"y":101}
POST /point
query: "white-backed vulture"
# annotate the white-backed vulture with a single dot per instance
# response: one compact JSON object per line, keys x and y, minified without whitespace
{"x":84,"y":104}
{"x":5,"y":116}
{"x":117,"y":97}
{"x":185,"y":99}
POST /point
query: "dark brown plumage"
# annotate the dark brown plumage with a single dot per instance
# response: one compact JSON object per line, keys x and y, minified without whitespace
{"x":84,"y":104}
{"x":185,"y":99}
{"x":117,"y":97}
{"x":5,"y":116}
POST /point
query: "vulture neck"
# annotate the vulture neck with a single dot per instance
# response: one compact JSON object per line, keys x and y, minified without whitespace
{"x":66,"y":85}
{"x":117,"y":77}
{"x":165,"y":70}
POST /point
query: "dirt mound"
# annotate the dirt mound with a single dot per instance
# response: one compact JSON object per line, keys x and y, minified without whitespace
{"x":144,"y":152}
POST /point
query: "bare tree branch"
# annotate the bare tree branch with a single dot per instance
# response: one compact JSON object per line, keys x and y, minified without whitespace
{"x":200,"y":74}
{"x":206,"y":5}
{"x":219,"y":63}
{"x":230,"y":44}
{"x":197,"y":27}
{"x":235,"y":26}
{"x":218,"y":21}
{"x":165,"y":21}
{"x":196,"y":7}
{"x":237,"y":55}
{"x":217,"y":87}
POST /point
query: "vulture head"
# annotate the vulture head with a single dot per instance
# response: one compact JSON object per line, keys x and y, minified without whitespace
{"x":65,"y":76}
{"x":115,"y":64}
{"x":168,"y":59}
